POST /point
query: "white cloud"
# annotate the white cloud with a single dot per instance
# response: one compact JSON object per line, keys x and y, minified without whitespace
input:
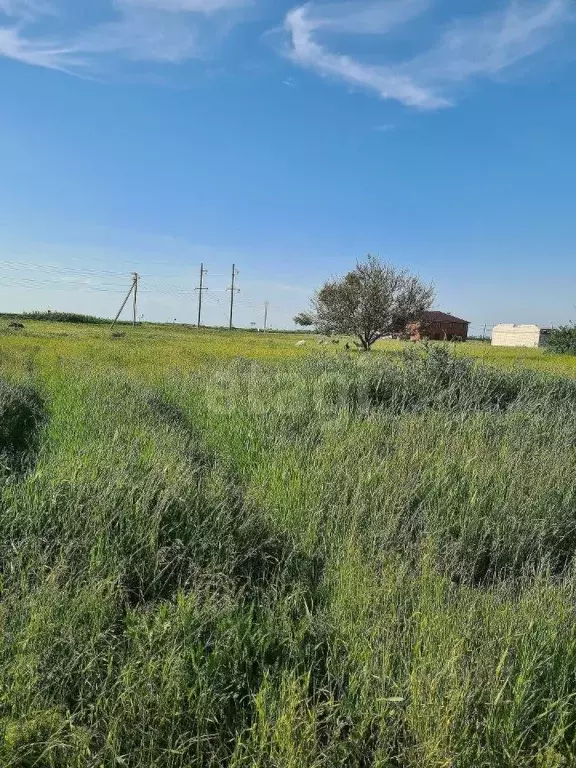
{"x":179,"y":6}
{"x":480,"y":46}
{"x":169,"y":31}
{"x":362,"y":17}
{"x":27,"y":9}
{"x":492,"y":43}
{"x":142,"y":36}
{"x":37,"y":53}
{"x":386,"y":128}
{"x":302,"y":23}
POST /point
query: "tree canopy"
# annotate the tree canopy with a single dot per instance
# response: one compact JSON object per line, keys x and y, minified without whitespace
{"x":305,"y":319}
{"x":373,"y":300}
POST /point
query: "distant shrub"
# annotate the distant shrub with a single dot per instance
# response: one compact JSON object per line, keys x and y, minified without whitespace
{"x":64,"y":317}
{"x":562,"y":340}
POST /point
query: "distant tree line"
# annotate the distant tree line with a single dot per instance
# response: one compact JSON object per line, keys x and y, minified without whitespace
{"x":64,"y":317}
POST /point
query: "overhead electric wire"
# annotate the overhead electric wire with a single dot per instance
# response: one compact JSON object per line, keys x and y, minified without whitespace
{"x":58,"y":268}
{"x":224,"y":310}
{"x":52,"y":286}
{"x":63,"y":282}
{"x":15,"y":273}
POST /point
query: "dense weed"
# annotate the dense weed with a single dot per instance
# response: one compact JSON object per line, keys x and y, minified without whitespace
{"x":21,"y":415}
{"x":64,"y":317}
{"x":348,"y":561}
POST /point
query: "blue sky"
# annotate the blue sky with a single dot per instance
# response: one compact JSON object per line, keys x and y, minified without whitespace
{"x":151,"y":135}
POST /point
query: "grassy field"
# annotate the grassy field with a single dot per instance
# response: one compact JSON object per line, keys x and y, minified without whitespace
{"x":150,"y":349}
{"x":220,"y":549}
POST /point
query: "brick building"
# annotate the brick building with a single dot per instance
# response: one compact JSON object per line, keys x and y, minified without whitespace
{"x":439,"y":326}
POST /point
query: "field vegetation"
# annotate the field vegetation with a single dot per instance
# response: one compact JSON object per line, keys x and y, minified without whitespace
{"x":221,"y":549}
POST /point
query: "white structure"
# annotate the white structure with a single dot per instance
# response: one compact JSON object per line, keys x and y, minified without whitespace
{"x":512,"y":335}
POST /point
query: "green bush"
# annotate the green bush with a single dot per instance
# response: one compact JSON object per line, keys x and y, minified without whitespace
{"x":562,"y":340}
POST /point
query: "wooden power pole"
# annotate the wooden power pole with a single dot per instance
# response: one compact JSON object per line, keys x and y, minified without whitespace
{"x":135,"y":298}
{"x":232,"y":290}
{"x":200,"y":289}
{"x":134,"y":290}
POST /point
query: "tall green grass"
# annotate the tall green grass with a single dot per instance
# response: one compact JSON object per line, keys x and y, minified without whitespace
{"x":341,"y":562}
{"x":21,"y":414}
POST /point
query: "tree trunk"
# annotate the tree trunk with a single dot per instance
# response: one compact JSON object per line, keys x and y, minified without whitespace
{"x":365,"y":344}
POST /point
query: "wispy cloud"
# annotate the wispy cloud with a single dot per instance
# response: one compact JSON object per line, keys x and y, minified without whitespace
{"x":186,"y":6}
{"x":305,"y":22}
{"x":27,"y":9}
{"x":41,"y":33}
{"x":481,"y":46}
{"x":142,"y":36}
{"x":385,"y":128}
{"x":168,"y":31}
{"x":490,"y":44}
{"x":37,"y":53}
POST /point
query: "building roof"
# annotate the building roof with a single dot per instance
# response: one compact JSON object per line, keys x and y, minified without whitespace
{"x":518,"y":327}
{"x":442,"y":317}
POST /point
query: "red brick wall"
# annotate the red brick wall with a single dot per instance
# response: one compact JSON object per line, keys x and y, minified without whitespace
{"x":438,"y":331}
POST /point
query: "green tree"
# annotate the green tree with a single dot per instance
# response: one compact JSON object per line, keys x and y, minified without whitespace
{"x":563,"y":340}
{"x":305,"y":319}
{"x":371,"y":301}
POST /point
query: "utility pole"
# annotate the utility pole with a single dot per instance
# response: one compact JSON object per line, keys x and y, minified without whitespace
{"x":266,"y":305}
{"x":233,"y":290}
{"x":133,"y":287}
{"x":135,"y":298}
{"x":202,"y":273}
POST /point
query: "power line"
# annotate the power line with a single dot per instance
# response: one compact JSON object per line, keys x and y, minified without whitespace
{"x":57,"y":268}
{"x":218,"y":304}
{"x":23,"y":282}
{"x":162,"y":285}
{"x":32,"y":275}
{"x":104,"y":273}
